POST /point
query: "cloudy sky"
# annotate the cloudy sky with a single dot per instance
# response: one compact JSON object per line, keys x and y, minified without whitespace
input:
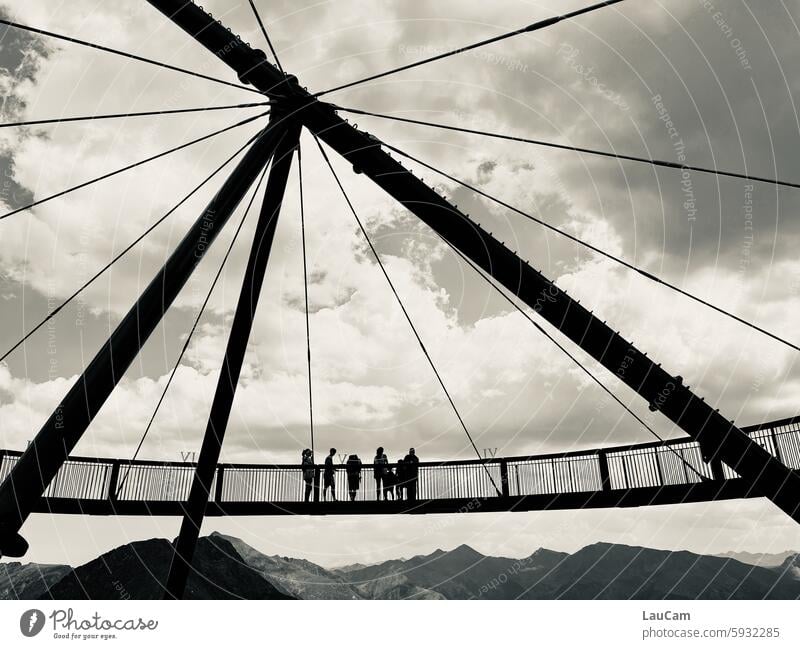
{"x":723,"y":72}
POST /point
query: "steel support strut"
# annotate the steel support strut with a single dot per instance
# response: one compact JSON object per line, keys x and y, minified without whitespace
{"x":719,"y":438}
{"x":29,"y":478}
{"x":195,"y":508}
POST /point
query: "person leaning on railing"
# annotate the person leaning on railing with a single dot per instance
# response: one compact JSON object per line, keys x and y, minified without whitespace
{"x":353,"y":470}
{"x":411,"y":474}
{"x":401,"y":479}
{"x":307,"y":467}
{"x":381,"y":468}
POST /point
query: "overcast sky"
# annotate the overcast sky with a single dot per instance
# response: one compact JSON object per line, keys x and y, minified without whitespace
{"x":725,"y":75}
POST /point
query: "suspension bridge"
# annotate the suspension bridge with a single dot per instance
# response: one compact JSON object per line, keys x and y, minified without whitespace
{"x":717,"y":461}
{"x":638,"y":475}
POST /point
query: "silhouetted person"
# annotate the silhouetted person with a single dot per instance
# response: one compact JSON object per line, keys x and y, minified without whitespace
{"x":328,"y":476}
{"x":389,"y":483}
{"x":353,"y":470}
{"x":411,"y":469}
{"x":380,"y":469}
{"x":401,"y":479}
{"x":307,"y":465}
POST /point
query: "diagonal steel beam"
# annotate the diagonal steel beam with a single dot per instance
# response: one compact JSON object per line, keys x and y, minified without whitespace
{"x":720,"y":439}
{"x":195,"y":509}
{"x":37,"y":467}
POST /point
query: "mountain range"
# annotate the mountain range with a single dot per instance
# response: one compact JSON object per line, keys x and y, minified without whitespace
{"x":228,"y":568}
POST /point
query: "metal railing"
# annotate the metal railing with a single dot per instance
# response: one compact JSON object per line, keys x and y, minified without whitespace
{"x":623,"y":467}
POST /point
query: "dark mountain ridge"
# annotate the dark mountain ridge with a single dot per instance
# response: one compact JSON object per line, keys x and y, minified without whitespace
{"x":139,"y":570}
{"x":228,"y":568}
{"x":606,"y":571}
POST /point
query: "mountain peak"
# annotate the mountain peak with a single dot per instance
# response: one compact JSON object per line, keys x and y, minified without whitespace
{"x":219,"y":572}
{"x":544,"y":553}
{"x":465,"y":550}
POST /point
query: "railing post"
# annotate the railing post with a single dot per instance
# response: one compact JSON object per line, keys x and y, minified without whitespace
{"x":683,"y":464}
{"x":605,"y":476}
{"x":716,"y":469}
{"x":659,"y":470}
{"x":775,"y":445}
{"x":218,"y":487}
{"x":113,"y":480}
{"x":316,"y":483}
{"x":504,"y":478}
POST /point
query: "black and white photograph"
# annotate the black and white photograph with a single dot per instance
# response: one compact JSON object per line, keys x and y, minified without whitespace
{"x":336,"y":301}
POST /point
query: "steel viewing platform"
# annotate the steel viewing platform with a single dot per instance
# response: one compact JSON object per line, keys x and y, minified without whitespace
{"x":621,"y":476}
